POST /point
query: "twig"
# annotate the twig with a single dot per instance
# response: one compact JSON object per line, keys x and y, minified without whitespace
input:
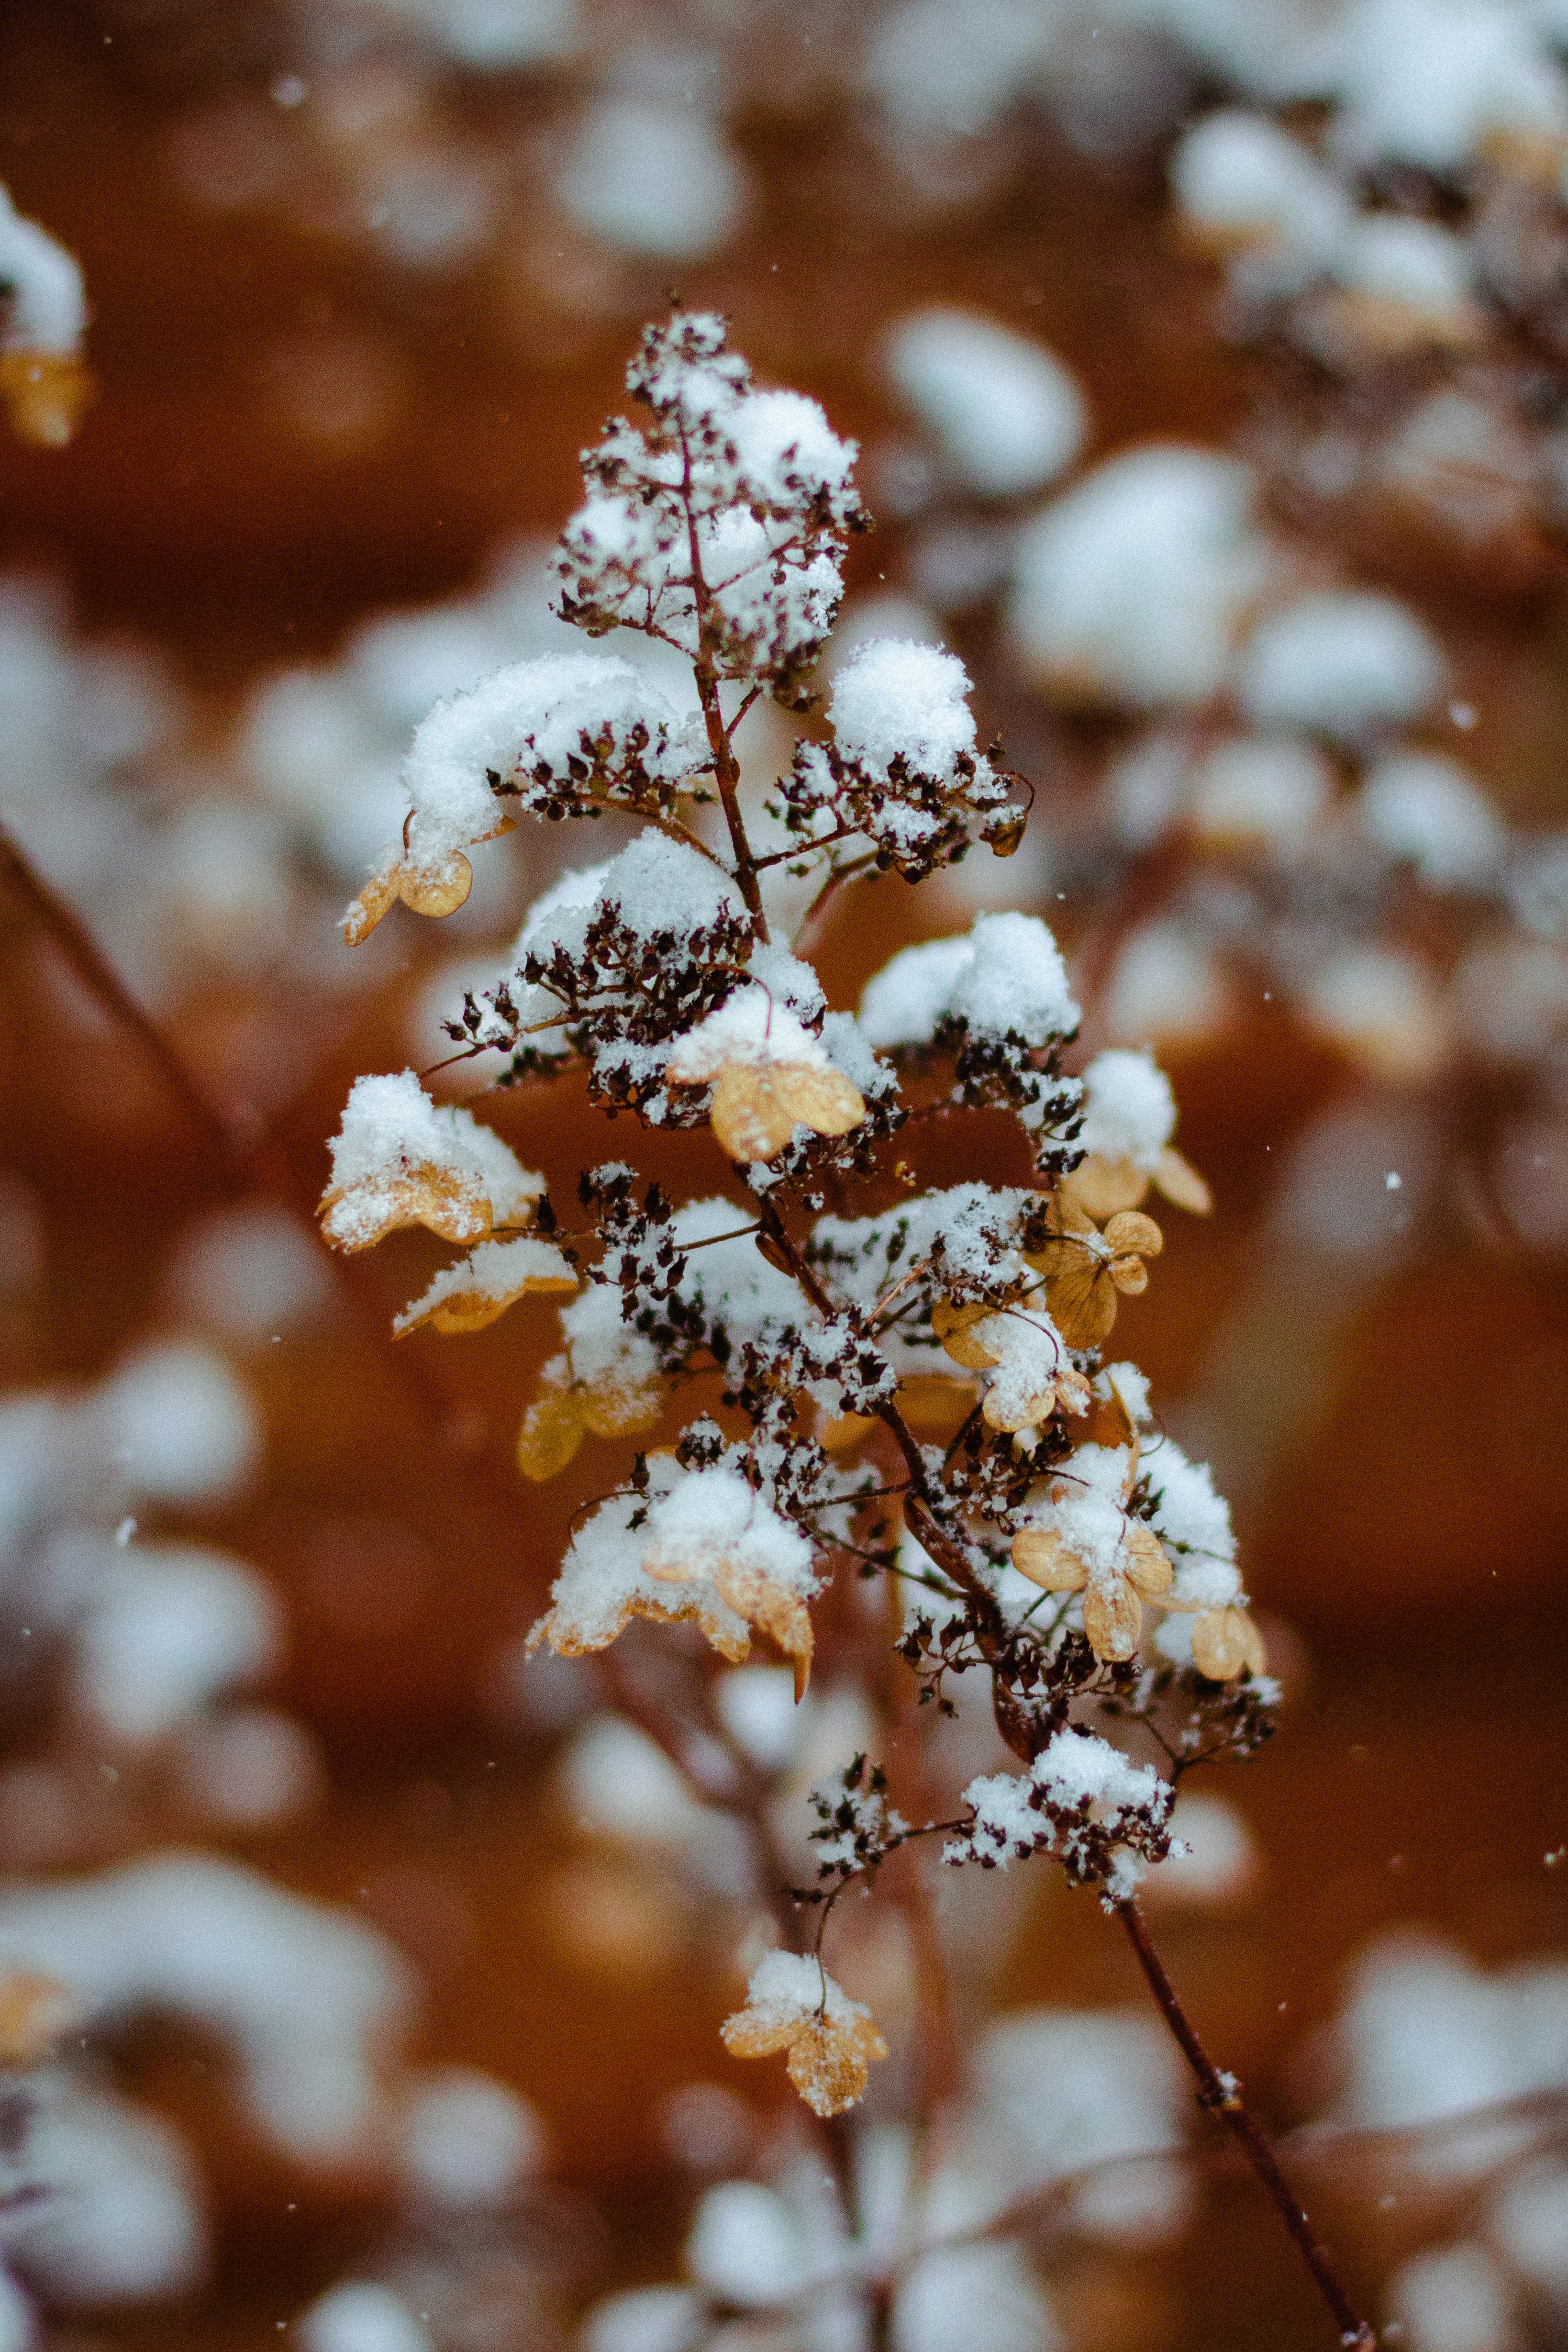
{"x":1220,"y":2093}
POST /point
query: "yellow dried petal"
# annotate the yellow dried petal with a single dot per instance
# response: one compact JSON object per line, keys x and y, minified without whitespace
{"x":1130,"y":1275}
{"x":1047,"y":1559}
{"x":437,"y":889}
{"x":45,"y":394}
{"x":846,"y":1428}
{"x":927,"y":1398}
{"x":1102,"y":1186}
{"x":954,"y":1327}
{"x":1148,"y":1568}
{"x":356,"y":1216}
{"x":781,"y":1615}
{"x":365,"y":912}
{"x":1180,"y":1182}
{"x":551,"y":1432}
{"x":824,"y":1100}
{"x":1132,"y":1234}
{"x":1082,"y":1303}
{"x":1224,"y":1642}
{"x":829,"y":2063}
{"x":1112,"y":1618}
{"x":612,"y":1412}
{"x":747,"y":1116}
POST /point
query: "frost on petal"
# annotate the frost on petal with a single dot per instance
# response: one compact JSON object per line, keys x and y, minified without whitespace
{"x":481,"y":1286}
{"x":401,"y":1160}
{"x":791,"y":2003}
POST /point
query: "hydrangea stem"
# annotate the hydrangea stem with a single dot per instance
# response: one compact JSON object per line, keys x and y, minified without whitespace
{"x":1220,"y":2093}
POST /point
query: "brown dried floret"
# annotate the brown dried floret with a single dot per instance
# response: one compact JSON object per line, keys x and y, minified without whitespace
{"x":1225,"y":1643}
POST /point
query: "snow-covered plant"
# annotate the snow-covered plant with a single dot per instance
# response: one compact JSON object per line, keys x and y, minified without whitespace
{"x":865,"y":1380}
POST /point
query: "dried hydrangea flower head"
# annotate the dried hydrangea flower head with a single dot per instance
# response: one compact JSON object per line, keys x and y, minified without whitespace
{"x":43,"y":314}
{"x":979,"y":1310}
{"x":791,"y":2003}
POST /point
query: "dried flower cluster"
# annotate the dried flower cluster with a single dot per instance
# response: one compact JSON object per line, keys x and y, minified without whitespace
{"x":902,"y":1383}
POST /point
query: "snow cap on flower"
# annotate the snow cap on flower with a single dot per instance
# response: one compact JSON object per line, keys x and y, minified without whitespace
{"x":1129,"y":1113}
{"x":1006,"y":977}
{"x":706,"y":1546}
{"x":481,"y":1286}
{"x":399,"y":1159}
{"x":791,"y":2003}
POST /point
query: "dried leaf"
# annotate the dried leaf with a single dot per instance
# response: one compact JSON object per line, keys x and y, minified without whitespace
{"x":34,"y":2012}
{"x":427,"y":1195}
{"x":1130,"y":1275}
{"x":829,"y":2056}
{"x":1180,"y":1182}
{"x":930,"y":1397}
{"x":365,"y":912}
{"x":1082,"y":1302}
{"x":613,"y":1411}
{"x":757,"y":1107}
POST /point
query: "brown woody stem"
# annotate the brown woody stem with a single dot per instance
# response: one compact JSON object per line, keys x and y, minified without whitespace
{"x":1220,"y":2094}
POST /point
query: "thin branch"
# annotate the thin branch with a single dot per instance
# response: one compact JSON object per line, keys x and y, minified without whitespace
{"x":1219,"y":2093}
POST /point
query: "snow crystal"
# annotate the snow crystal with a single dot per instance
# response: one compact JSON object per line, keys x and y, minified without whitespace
{"x":250,"y":1272}
{"x":1453,"y":2299}
{"x":304,"y":1996}
{"x":904,"y":1002}
{"x":748,"y":1027}
{"x":492,"y":1271}
{"x":1129,"y":1110}
{"x":1341,"y":660}
{"x":1079,"y":1768}
{"x":1437,"y":83}
{"x":120,"y":2216}
{"x":391,"y":1131}
{"x":1132,"y":586}
{"x":1006,"y":414}
{"x":467,"y":2140}
{"x":1426,"y":810}
{"x":1404,"y":280}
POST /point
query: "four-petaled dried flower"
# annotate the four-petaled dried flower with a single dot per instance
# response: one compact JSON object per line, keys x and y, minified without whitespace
{"x":1084,"y":1540}
{"x":791,"y":2003}
{"x":768,"y":1075}
{"x":1084,"y":1268}
{"x":400,"y":1161}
